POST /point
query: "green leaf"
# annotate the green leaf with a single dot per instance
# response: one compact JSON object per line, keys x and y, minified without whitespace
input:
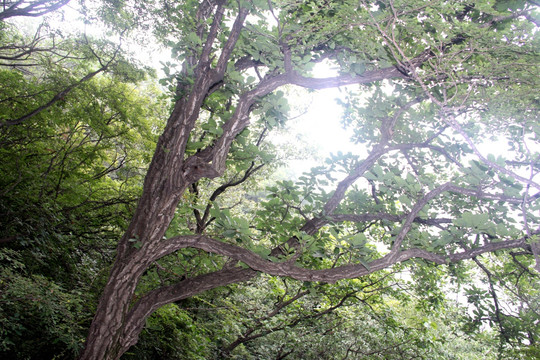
{"x":193,"y":38}
{"x":357,"y":240}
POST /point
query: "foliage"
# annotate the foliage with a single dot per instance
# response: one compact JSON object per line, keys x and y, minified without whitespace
{"x":273,"y":318}
{"x":76,"y":167}
{"x":71,"y":174}
{"x":38,"y":318}
{"x":360,"y":257}
{"x":171,"y":334}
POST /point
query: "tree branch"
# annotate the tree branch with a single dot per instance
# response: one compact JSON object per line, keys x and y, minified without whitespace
{"x":33,"y":9}
{"x":60,"y":95}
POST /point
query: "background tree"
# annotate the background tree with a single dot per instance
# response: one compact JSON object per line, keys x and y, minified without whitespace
{"x":73,"y":156}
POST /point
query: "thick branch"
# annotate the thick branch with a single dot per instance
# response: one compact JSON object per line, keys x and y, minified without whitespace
{"x":212,"y":159}
{"x":207,"y":48}
{"x":231,"y":41}
{"x":135,"y":320}
{"x":327,"y":275}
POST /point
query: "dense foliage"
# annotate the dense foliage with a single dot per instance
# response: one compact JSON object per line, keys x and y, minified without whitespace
{"x":149,"y":217}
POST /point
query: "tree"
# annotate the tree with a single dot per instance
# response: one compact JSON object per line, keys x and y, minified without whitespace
{"x":427,"y":83}
{"x":72,"y":169}
{"x":457,"y":72}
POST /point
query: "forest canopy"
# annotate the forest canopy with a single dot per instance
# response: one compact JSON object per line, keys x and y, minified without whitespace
{"x":145,"y":212}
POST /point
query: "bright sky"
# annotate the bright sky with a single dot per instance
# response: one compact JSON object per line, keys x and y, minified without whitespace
{"x":321,"y":123}
{"x":320,"y":129}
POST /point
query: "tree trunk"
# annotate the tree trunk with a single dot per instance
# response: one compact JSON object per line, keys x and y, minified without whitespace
{"x":102,"y":341}
{"x":168,"y":177}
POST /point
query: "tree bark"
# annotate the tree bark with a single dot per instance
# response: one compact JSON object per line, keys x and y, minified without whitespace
{"x":168,"y":177}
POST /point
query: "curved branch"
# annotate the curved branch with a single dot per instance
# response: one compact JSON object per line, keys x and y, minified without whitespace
{"x":350,"y":271}
{"x":136,"y":318}
{"x":212,"y":159}
{"x":32,"y":9}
